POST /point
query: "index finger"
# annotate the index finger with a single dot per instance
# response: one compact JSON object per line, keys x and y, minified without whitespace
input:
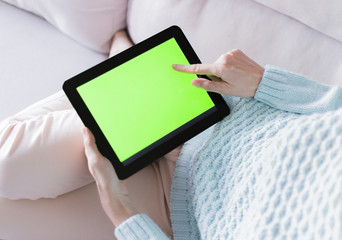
{"x":201,"y":69}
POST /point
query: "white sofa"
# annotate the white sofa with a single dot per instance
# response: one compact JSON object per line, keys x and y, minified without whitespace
{"x":38,"y":56}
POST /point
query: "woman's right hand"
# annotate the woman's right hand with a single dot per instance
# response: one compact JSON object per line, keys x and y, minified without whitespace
{"x":234,"y":73}
{"x":113,"y":193}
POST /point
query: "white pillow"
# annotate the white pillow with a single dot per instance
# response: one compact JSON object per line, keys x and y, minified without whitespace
{"x":92,"y":23}
{"x":324,"y":16}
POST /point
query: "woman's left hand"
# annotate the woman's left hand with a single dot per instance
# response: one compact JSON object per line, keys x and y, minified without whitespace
{"x":113,"y":193}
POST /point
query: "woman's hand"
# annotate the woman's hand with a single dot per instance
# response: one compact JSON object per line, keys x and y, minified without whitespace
{"x":113,"y":193}
{"x":121,"y":41}
{"x":233,"y":74}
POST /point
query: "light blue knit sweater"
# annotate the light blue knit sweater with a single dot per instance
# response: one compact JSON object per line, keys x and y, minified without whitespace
{"x":272,"y":169}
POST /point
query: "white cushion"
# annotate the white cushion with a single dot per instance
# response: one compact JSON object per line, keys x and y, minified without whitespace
{"x":92,"y":23}
{"x":215,"y":27}
{"x":35,"y":59}
{"x":74,"y":216}
{"x":324,"y":16}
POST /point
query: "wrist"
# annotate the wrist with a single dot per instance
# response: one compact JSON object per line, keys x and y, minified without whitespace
{"x":121,"y":212}
{"x":257,"y":79}
{"x":122,"y":217}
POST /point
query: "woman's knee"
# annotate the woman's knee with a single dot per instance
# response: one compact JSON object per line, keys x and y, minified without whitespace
{"x":42,"y":157}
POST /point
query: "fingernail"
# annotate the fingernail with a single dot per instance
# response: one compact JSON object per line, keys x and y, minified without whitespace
{"x":195,"y":83}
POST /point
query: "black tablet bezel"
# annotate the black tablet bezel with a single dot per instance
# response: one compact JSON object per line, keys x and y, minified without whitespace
{"x":165,"y":144}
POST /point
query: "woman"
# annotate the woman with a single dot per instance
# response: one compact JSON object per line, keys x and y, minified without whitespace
{"x":276,"y":123}
{"x":247,"y":177}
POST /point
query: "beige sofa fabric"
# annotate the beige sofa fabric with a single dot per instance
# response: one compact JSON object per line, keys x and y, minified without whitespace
{"x":215,"y":27}
{"x":324,"y":16}
{"x":91,"y":23}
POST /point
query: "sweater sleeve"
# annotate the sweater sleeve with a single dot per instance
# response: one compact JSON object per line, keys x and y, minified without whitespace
{"x":294,"y":93}
{"x":139,"y":227}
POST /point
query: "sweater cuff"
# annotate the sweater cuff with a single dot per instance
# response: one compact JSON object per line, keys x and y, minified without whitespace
{"x":295,"y":93}
{"x":272,"y":87}
{"x":139,"y":227}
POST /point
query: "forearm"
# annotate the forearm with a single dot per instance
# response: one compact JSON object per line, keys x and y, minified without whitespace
{"x":294,"y":93}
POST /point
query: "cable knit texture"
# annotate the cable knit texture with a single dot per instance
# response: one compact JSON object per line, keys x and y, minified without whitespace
{"x":272,"y":169}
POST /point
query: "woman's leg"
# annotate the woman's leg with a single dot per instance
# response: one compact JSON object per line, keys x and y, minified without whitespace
{"x":150,"y":188}
{"x":42,"y":156}
{"x":43,"y":144}
{"x":76,"y":215}
{"x":41,"y":151}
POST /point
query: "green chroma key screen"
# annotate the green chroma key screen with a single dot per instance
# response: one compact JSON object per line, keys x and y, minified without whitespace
{"x":144,"y":99}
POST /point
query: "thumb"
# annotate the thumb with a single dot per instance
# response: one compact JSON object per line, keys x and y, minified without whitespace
{"x":90,"y":147}
{"x":100,"y":167}
{"x":207,"y":85}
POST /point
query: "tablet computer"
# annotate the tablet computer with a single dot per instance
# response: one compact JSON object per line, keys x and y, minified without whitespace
{"x":138,"y":107}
